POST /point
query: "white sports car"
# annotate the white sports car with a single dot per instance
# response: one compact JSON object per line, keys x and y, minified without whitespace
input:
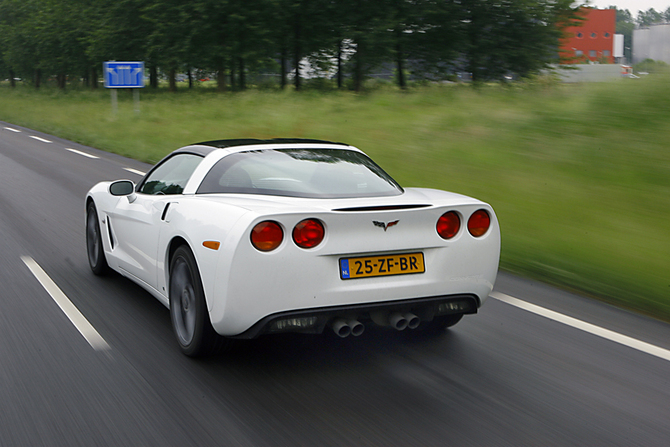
{"x":240,"y":238}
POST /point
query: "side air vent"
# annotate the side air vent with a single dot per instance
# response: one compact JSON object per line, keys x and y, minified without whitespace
{"x":380,"y":208}
{"x":109,"y":230}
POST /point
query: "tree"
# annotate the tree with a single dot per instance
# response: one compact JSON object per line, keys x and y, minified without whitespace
{"x":118,"y":31}
{"x":172,"y":28}
{"x":213,"y":41}
{"x":513,"y":36}
{"x":433,"y":37}
{"x":419,"y":28}
{"x":649,"y":17}
{"x":59,"y":28}
{"x":19,"y":45}
{"x":232,"y":39}
{"x":365,"y":28}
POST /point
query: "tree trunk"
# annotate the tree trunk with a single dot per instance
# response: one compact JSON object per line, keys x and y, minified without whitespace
{"x":232,"y":74}
{"x":190,"y":79}
{"x":221,"y":80}
{"x":283,"y":67}
{"x":38,"y":77}
{"x":220,"y":76}
{"x":61,"y":81}
{"x":340,"y":75}
{"x":242,"y":77}
{"x":399,"y":60}
{"x":297,"y":50}
{"x":12,"y":80}
{"x":94,"y":78}
{"x":358,"y":68}
{"x":153,"y":76}
{"x":172,"y":75}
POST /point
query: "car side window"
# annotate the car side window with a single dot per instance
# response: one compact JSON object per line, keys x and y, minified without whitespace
{"x":171,"y":176}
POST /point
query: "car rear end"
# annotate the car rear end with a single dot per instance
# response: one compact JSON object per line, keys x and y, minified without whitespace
{"x":308,"y":264}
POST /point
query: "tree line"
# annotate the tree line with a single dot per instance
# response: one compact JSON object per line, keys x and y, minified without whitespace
{"x":240,"y":40}
{"x":651,"y":17}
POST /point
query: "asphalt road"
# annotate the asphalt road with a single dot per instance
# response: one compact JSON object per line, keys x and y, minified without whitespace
{"x":504,"y":377}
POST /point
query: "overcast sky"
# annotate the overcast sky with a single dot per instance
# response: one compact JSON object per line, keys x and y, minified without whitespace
{"x":633,"y":5}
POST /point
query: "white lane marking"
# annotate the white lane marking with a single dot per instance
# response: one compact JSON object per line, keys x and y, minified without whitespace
{"x":40,"y":139}
{"x":135,"y":171}
{"x":69,"y":309}
{"x":80,"y":153}
{"x":584,"y":326}
{"x":13,"y":130}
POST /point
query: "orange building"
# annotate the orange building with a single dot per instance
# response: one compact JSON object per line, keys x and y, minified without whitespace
{"x":593,"y":39}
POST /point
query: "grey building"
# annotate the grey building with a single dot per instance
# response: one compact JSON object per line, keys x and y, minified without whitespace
{"x":652,"y":43}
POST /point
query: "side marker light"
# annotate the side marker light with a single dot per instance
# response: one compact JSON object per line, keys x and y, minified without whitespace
{"x":212,"y":245}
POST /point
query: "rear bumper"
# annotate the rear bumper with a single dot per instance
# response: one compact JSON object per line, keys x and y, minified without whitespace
{"x":314,"y":321}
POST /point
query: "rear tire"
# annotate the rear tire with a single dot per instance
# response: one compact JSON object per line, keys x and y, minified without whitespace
{"x":188,"y":310}
{"x":94,"y":247}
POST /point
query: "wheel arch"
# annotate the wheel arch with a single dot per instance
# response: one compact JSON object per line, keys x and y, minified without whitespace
{"x":174,"y":244}
{"x":87,"y":203}
{"x":205,"y":274}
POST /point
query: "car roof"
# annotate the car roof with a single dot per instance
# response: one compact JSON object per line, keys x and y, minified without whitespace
{"x":235,"y":145}
{"x":221,"y":144}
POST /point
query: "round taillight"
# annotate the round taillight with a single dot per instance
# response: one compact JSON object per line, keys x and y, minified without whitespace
{"x":266,"y":236}
{"x":479,"y":223}
{"x":308,"y":233}
{"x":448,"y":225}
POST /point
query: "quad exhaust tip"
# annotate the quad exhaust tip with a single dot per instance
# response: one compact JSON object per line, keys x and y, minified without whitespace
{"x":344,"y":327}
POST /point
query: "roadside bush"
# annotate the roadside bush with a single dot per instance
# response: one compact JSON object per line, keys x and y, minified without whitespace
{"x":651,"y":66}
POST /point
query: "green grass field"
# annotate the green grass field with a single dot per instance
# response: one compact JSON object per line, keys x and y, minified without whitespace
{"x":579,"y":175}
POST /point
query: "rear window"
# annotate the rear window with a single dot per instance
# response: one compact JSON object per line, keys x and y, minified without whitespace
{"x":312,"y":173}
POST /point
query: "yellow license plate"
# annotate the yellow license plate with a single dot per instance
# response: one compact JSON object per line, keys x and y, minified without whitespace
{"x":365,"y":267}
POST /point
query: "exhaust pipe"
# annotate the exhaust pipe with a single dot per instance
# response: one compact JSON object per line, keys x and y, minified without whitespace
{"x":412,"y":320}
{"x":398,"y":321}
{"x":356,"y":327}
{"x":341,"y":328}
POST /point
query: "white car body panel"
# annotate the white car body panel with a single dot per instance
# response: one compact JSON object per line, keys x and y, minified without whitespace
{"x":243,"y":285}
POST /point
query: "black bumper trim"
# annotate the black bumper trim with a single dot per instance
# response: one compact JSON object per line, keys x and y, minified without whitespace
{"x":324,"y":314}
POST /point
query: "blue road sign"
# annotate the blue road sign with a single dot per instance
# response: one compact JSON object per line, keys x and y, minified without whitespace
{"x":124,"y":74}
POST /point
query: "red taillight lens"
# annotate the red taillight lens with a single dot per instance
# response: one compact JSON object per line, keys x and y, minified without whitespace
{"x":308,"y":233}
{"x":479,"y":223}
{"x":448,"y":225}
{"x":266,"y":236}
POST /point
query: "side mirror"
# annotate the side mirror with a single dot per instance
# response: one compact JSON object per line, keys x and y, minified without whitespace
{"x":122,"y":188}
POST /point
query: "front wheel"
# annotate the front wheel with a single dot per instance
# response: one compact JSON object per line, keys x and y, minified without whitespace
{"x":94,"y":248}
{"x":188,"y":309}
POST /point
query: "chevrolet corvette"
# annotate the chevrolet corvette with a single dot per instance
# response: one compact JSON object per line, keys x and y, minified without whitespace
{"x":242,"y":238}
